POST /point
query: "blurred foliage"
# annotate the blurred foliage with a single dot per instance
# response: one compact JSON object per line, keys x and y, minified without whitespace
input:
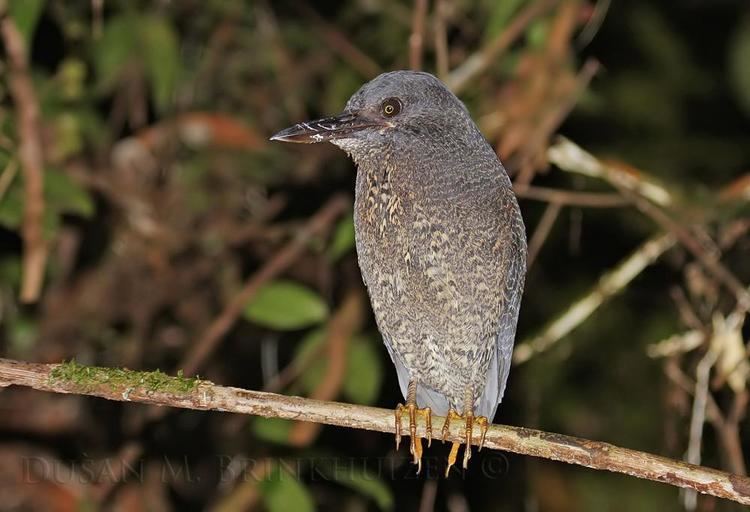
{"x":739,"y":56}
{"x":284,"y":305}
{"x":163,"y":198}
{"x":282,"y":491}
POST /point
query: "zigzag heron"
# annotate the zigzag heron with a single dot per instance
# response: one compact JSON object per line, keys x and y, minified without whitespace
{"x":440,"y":242}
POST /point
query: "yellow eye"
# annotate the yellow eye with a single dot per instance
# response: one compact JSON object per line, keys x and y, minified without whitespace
{"x":391,"y":107}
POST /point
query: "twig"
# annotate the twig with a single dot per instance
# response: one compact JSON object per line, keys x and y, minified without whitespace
{"x":731,"y":433}
{"x":737,"y":190}
{"x":594,"y":24}
{"x":608,"y":285}
{"x":570,"y":198}
{"x":709,"y":262}
{"x":416,"y":40}
{"x":561,"y":30}
{"x":344,"y":324}
{"x":643,"y":193}
{"x":687,"y":313}
{"x":442,"y":63}
{"x":552,"y":121}
{"x":541,"y":232}
{"x":285,"y":72}
{"x":293,"y":370}
{"x":339,"y":43}
{"x":97,"y":18}
{"x":698,"y":418}
{"x":30,"y":156}
{"x":726,"y":428}
{"x":204,"y":395}
{"x":429,"y":493}
{"x":481,"y":60}
{"x":210,"y":339}
{"x":571,"y":158}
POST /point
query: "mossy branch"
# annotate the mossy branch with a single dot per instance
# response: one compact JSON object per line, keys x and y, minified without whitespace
{"x":190,"y":393}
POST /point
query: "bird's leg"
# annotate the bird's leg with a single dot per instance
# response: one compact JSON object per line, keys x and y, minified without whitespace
{"x":415,"y":446}
{"x":469,"y":421}
{"x":452,"y":415}
{"x":468,"y":430}
{"x":397,"y":414}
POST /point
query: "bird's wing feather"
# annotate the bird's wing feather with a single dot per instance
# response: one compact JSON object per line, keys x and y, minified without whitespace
{"x":426,"y":397}
{"x":401,"y":372}
{"x":500,"y":362}
{"x":437,"y":402}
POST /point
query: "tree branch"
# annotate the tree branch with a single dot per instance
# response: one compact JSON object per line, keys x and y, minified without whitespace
{"x":30,"y":154}
{"x":479,"y":61}
{"x":610,"y":283}
{"x":645,"y":195}
{"x":159,"y":389}
{"x":210,"y":339}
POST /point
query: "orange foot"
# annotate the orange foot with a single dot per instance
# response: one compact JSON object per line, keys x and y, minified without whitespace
{"x":415,"y":446}
{"x":469,"y":420}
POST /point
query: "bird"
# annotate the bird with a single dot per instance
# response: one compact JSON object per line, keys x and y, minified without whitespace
{"x":441,"y":247}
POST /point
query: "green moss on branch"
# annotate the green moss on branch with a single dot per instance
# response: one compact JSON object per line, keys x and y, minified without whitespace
{"x":88,"y":378}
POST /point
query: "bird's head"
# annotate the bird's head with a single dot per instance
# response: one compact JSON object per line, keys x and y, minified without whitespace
{"x":397,"y":106}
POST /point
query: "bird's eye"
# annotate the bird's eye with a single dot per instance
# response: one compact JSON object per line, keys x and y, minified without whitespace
{"x":391,"y":107}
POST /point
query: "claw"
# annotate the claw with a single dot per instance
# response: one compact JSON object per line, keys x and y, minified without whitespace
{"x":468,"y":432}
{"x":415,"y":444}
{"x":398,"y":413}
{"x":484,"y":425}
{"x":452,"y":458}
{"x":469,"y":421}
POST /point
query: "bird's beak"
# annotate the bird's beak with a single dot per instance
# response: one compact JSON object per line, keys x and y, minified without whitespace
{"x":321,"y":130}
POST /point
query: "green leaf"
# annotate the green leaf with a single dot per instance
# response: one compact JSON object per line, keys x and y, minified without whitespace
{"x":364,"y":371}
{"x":116,"y":46}
{"x":161,"y":55}
{"x":26,"y":15}
{"x":739,"y":64}
{"x":286,"y":305}
{"x":275,"y":430}
{"x":24,"y":333}
{"x":538,"y":33}
{"x":69,"y":138}
{"x":11,"y":205}
{"x":343,"y":238}
{"x":10,"y":271}
{"x":366,"y":484}
{"x":315,"y":370}
{"x":500,"y":16}
{"x":151,"y":41}
{"x":71,"y":75}
{"x":283,"y":492}
{"x":64,"y":195}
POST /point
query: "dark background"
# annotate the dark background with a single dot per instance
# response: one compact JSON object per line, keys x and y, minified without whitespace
{"x":163,"y":196}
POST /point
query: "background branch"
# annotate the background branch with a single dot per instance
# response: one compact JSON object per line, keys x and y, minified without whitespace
{"x":158,"y":389}
{"x":608,"y":285}
{"x":30,"y":155}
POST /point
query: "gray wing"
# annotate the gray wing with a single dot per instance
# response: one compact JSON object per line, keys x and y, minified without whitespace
{"x":425,"y":397}
{"x":497,"y":374}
